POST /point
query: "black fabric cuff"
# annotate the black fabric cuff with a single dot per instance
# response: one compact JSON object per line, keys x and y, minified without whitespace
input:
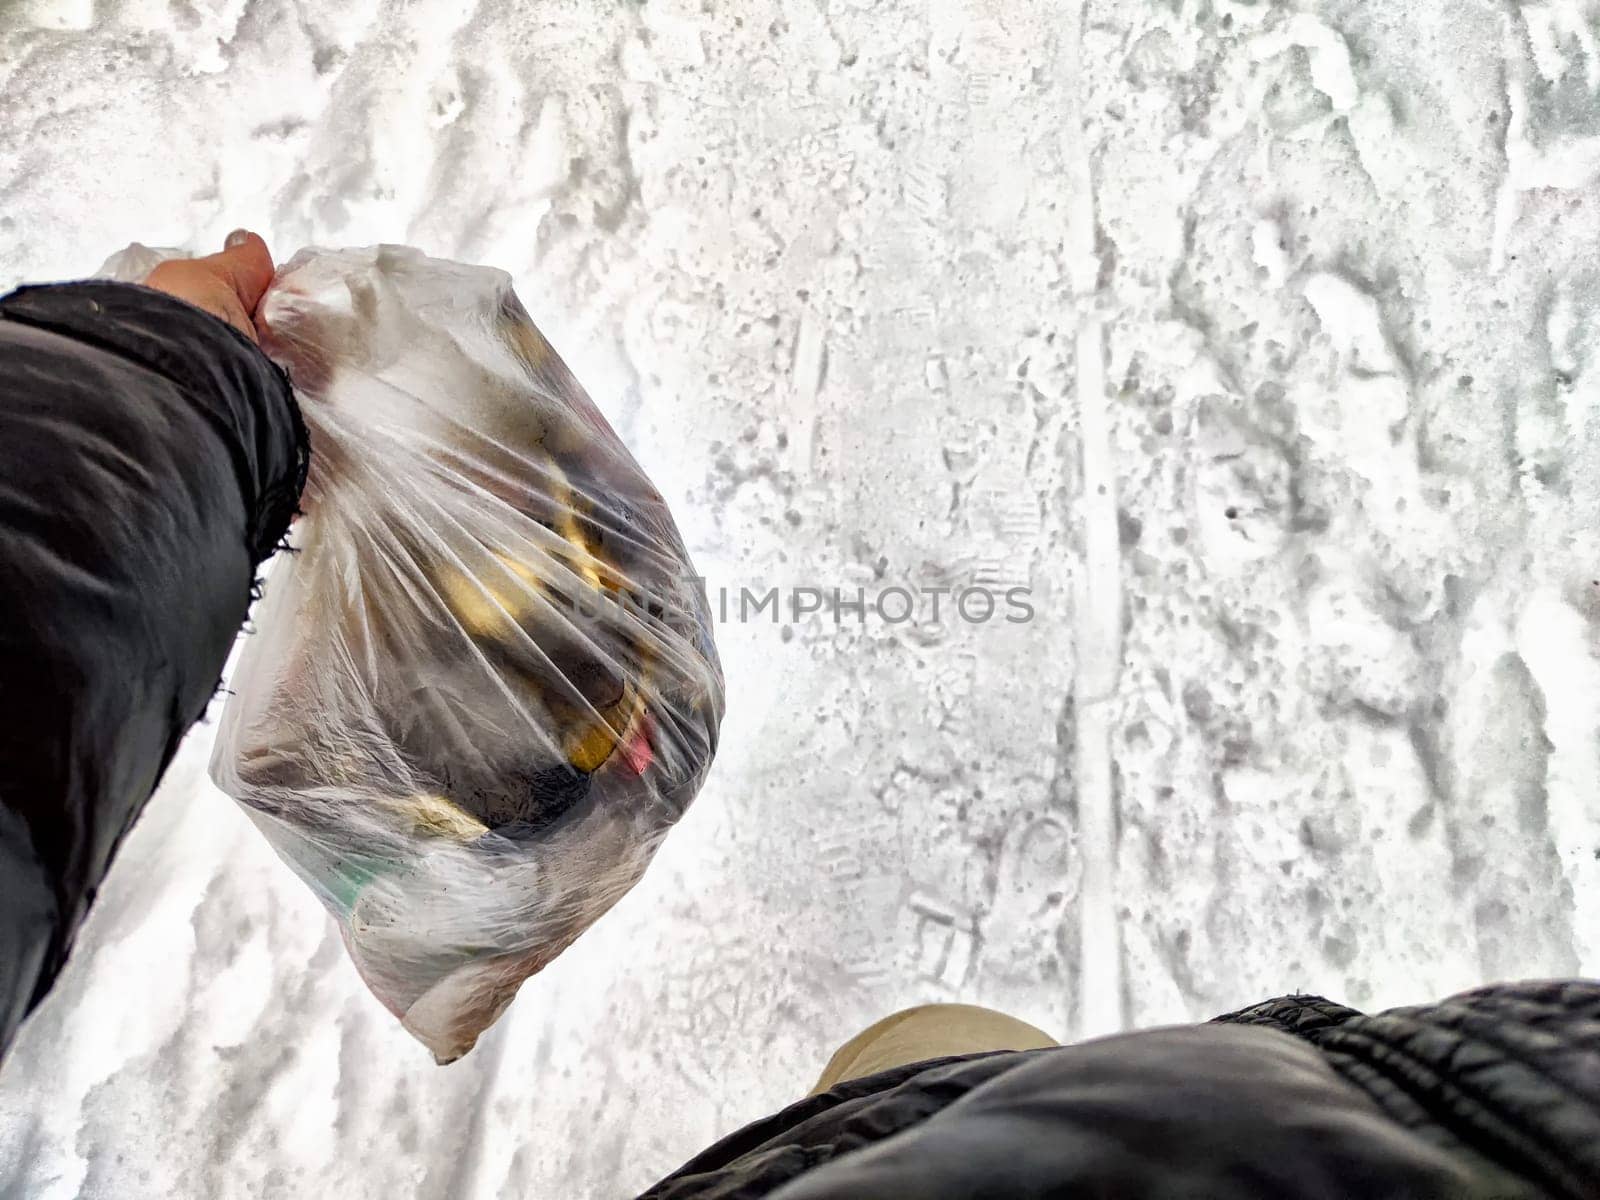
{"x":226,"y":375}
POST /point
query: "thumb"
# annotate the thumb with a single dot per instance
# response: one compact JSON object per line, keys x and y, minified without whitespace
{"x":246,"y":263}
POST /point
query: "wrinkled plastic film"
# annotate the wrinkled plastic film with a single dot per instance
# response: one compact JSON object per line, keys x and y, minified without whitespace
{"x":484,"y":687}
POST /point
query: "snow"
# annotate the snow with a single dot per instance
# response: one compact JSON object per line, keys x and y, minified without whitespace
{"x":1259,"y":341}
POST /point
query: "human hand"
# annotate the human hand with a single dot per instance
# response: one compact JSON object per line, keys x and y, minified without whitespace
{"x":227,"y":285}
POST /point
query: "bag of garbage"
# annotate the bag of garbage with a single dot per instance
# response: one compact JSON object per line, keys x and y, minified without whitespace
{"x":483,"y":687}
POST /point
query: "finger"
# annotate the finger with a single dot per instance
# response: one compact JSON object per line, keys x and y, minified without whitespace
{"x":204,"y":286}
{"x":235,"y":314}
{"x":246,"y":264}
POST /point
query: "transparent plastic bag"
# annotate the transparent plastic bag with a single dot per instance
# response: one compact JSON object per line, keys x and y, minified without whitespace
{"x":484,"y":686}
{"x":133,"y":263}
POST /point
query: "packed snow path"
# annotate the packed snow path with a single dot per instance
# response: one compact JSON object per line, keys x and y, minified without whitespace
{"x":1260,"y":342}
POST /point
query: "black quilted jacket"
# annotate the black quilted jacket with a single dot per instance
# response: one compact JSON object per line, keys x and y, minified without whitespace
{"x":1492,"y":1095}
{"x":151,"y":458}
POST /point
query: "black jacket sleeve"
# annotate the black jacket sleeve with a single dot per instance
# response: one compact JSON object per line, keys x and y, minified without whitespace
{"x":1490,"y":1095}
{"x":151,"y":458}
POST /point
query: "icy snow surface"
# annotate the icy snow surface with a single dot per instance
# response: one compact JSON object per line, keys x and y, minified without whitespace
{"x":1260,"y":341}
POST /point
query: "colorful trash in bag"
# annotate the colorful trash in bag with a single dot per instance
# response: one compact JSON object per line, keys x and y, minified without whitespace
{"x":484,"y":687}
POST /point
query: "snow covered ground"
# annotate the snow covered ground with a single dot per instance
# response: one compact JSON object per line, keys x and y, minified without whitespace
{"x":1260,"y":340}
